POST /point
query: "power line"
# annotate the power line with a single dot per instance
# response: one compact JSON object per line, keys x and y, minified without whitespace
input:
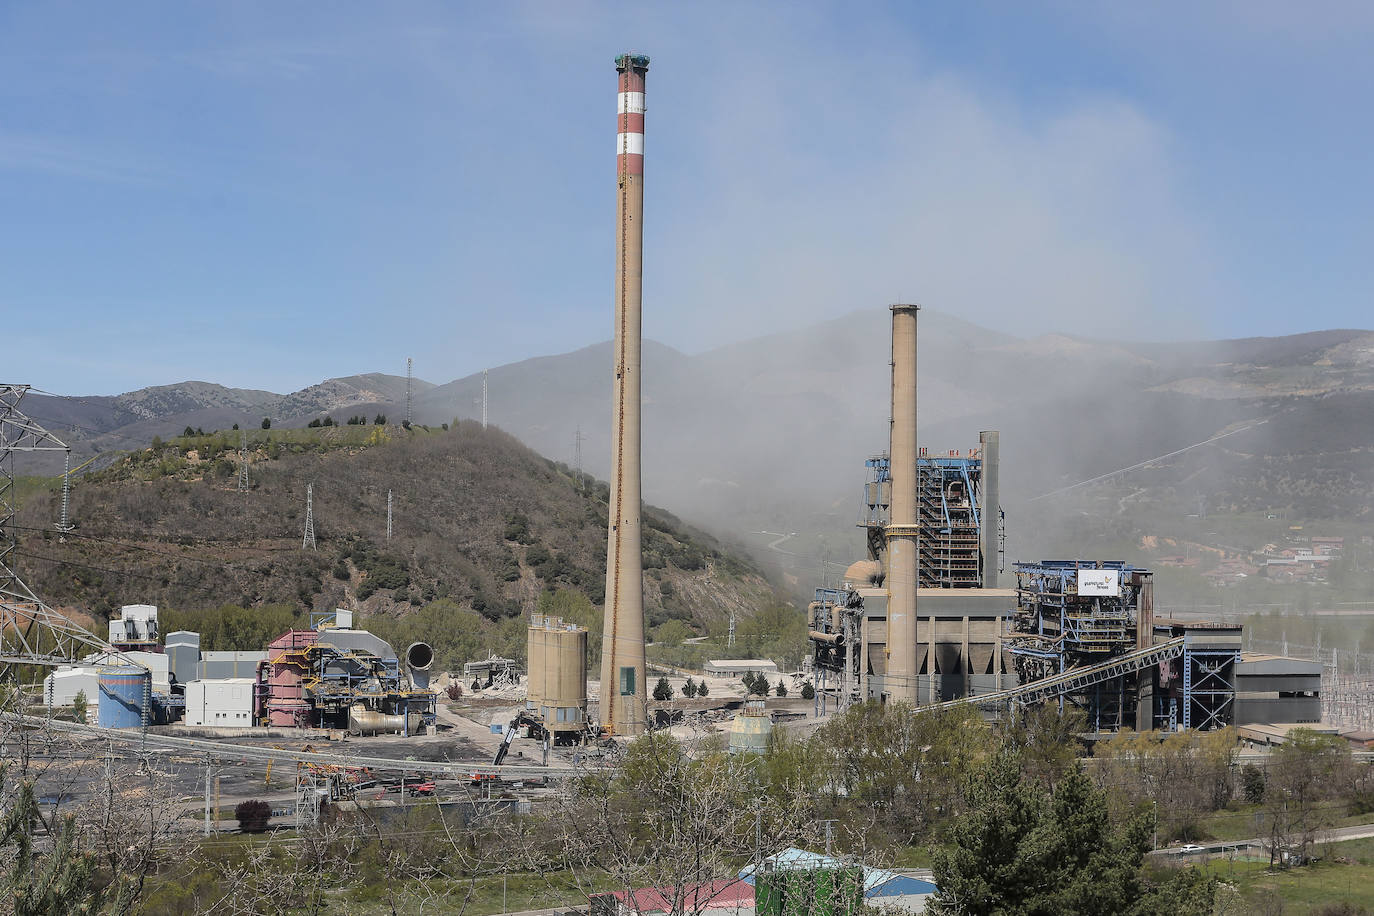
{"x":106,"y":569}
{"x":162,"y":553}
{"x":1147,"y":461}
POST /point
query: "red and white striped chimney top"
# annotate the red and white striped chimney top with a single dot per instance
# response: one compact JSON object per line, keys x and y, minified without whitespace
{"x":629,"y":138}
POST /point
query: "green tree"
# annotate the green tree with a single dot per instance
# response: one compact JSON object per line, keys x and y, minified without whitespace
{"x":689,"y":689}
{"x":1252,"y":783}
{"x":1023,"y":851}
{"x":782,"y":688}
{"x":702,"y":689}
{"x":663,"y":690}
{"x":188,"y":431}
{"x":266,"y":422}
{"x":61,"y":879}
{"x":79,"y":706}
{"x":671,"y":633}
{"x":808,"y":692}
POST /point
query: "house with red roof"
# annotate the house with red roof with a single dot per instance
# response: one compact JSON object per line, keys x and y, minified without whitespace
{"x":724,"y":897}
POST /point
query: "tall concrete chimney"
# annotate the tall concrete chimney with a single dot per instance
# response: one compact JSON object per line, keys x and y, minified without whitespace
{"x":991,"y":511}
{"x":904,"y":526}
{"x":623,"y":707}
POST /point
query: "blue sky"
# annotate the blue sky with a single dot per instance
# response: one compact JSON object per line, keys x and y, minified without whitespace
{"x":266,"y":195}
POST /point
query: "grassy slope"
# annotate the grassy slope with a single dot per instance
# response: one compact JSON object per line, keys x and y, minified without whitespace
{"x":1345,"y":874}
{"x":480,"y":522}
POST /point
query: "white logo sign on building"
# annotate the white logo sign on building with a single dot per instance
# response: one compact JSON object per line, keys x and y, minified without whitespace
{"x":1104,"y":583}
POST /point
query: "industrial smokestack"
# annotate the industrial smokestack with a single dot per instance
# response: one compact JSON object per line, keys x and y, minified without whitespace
{"x":623,"y":708}
{"x":991,"y":512}
{"x":904,"y":524}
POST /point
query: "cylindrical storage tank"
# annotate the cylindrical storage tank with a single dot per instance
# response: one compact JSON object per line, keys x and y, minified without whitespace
{"x":558,"y":674}
{"x":751,"y":730}
{"x":536,"y":654}
{"x":126,"y":693}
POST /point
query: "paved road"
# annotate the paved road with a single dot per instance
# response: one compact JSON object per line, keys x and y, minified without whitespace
{"x":1337,"y":835}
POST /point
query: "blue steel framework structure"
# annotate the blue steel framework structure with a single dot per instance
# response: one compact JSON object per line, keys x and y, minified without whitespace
{"x":1198,"y":690}
{"x":1056,"y":630}
{"x":950,"y":502}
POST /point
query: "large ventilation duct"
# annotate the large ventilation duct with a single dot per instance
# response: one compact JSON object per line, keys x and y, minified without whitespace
{"x":364,"y":721}
{"x":904,"y":527}
{"x":623,"y":708}
{"x":990,"y":518}
{"x":419,"y":657}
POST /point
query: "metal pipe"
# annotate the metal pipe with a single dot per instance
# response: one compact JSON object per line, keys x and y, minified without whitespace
{"x":903,"y":530}
{"x":419,"y":657}
{"x":990,"y":517}
{"x":623,"y":708}
{"x":364,"y":721}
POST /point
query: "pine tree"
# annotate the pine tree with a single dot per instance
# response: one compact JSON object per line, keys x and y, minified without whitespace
{"x":663,"y":690}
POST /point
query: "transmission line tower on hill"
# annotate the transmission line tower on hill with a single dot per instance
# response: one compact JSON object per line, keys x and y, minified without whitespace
{"x":577,"y":457}
{"x":64,"y":524}
{"x":408,"y":378}
{"x":308,"y":541}
{"x":484,"y":399}
{"x":243,"y":461}
{"x":388,"y":515}
{"x":30,"y":631}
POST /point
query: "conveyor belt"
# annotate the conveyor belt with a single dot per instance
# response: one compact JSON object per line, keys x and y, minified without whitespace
{"x":1073,"y":679}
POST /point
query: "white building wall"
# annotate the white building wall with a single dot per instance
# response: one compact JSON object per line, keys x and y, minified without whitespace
{"x":224,"y":704}
{"x":61,"y":687}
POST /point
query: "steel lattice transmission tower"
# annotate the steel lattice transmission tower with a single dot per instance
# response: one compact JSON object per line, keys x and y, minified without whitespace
{"x":388,"y":515}
{"x":243,"y":461}
{"x":308,"y":540}
{"x":30,"y":631}
{"x":484,"y":398}
{"x":577,"y":457}
{"x":408,"y":378}
{"x":64,"y":524}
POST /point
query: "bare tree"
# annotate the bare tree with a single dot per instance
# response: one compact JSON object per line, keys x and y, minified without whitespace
{"x":675,"y":815}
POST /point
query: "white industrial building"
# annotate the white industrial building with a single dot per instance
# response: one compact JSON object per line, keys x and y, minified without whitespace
{"x":61,"y":687}
{"x":738,"y":667}
{"x":137,"y":623}
{"x":225,"y":703}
